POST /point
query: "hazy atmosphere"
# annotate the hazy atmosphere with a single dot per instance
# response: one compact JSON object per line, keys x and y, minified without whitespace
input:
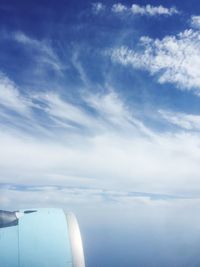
{"x":100,"y":115}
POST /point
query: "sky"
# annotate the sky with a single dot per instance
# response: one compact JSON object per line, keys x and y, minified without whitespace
{"x":100,"y":115}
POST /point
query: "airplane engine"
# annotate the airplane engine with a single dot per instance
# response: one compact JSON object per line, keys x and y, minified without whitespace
{"x":40,"y":238}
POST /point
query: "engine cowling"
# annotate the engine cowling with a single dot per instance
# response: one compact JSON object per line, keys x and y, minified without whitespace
{"x":40,"y":238}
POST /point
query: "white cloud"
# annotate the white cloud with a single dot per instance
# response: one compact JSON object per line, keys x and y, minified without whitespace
{"x":113,"y":111}
{"x":117,"y":151}
{"x":153,"y":10}
{"x":98,"y":7}
{"x":108,"y":160}
{"x":185,"y":121}
{"x":174,"y":59}
{"x":147,"y":10}
{"x":11,"y":98}
{"x":54,"y":106}
{"x":118,"y":8}
{"x":45,"y":53}
{"x":26,"y":196}
{"x":195,"y":21}
{"x":80,"y":69}
{"x":109,"y":110}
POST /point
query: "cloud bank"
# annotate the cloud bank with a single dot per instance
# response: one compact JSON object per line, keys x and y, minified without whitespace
{"x":108,"y":148}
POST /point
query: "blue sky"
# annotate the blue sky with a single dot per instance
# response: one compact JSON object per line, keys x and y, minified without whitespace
{"x":100,"y":114}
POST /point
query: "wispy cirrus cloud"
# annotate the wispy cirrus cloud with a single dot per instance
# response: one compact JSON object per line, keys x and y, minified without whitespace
{"x":173,"y":59}
{"x":115,"y":113}
{"x":52,"y":104}
{"x":11,"y":98}
{"x":96,"y":113}
{"x":182,"y":120}
{"x":41,"y":50}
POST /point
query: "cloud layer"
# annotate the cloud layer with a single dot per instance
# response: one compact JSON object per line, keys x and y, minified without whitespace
{"x":107,"y":148}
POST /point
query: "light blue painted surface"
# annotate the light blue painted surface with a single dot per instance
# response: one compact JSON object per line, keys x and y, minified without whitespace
{"x":9,"y":247}
{"x":43,"y":241}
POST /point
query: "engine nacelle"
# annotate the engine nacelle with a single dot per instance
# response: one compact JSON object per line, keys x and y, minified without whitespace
{"x":40,"y":238}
